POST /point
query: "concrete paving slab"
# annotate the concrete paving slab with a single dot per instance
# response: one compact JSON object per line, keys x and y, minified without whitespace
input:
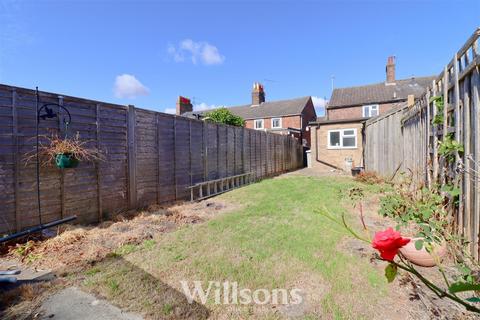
{"x":26,"y":274}
{"x":74,"y":304}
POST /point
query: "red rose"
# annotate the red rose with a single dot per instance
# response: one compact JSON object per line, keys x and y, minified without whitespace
{"x":388,"y":242}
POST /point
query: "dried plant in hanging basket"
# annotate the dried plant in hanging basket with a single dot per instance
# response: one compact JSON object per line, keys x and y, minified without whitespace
{"x":63,"y":151}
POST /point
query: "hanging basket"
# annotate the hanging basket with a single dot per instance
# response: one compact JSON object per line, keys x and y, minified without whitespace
{"x":66,"y":160}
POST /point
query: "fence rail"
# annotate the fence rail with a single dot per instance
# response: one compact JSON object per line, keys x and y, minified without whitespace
{"x":458,"y":85}
{"x":151,"y":157}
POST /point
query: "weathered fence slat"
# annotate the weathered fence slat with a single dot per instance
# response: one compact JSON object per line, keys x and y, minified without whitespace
{"x":17,"y":164}
{"x":132,"y":184}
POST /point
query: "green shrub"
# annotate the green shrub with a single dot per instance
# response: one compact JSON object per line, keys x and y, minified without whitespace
{"x":422,"y":209}
{"x":225,"y":116}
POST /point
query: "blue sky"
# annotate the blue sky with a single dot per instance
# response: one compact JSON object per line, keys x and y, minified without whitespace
{"x":147,"y":53}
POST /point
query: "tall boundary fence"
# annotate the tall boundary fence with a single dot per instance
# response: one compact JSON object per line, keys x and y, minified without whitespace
{"x":384,"y":145}
{"x":459,"y":85}
{"x":150,"y":158}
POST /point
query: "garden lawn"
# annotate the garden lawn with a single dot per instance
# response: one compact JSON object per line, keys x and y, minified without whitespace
{"x":275,"y":239}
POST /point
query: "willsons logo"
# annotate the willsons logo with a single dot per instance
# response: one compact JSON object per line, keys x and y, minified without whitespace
{"x":229,"y":293}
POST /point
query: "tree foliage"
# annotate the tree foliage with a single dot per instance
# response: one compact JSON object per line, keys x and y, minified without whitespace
{"x":225,"y":116}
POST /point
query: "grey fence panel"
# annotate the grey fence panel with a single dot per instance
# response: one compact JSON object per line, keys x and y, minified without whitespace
{"x":166,"y":154}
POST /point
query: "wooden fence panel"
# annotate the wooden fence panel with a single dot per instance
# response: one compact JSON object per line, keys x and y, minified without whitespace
{"x":50,"y":179}
{"x":239,"y":151}
{"x":9,"y":166}
{"x":246,"y":151}
{"x":182,"y":161}
{"x":222,"y":151}
{"x":258,"y":153}
{"x":196,"y":152}
{"x":212,"y":149}
{"x":112,"y":141}
{"x":146,"y":154}
{"x":384,"y":151}
{"x":149,"y":157}
{"x":166,"y":156}
{"x":230,"y":150}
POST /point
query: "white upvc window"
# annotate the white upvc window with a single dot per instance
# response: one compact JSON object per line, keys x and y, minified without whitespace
{"x":276,"y":123}
{"x":258,"y":124}
{"x":342,"y":139}
{"x":370,"y":110}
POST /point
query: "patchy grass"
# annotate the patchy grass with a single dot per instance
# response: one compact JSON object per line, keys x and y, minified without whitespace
{"x":275,"y":240}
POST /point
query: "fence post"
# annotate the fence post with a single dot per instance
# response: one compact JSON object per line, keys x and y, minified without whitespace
{"x":16,"y":159}
{"x":132,"y":159}
{"x":475,"y":85}
{"x":175,"y":155}
{"x":218,"y":152}
{"x":205,"y":150}
{"x":465,"y":205}
{"x":97,"y":165}
{"x":274,"y":154}
{"x":190,"y":151}
{"x":460,"y":214}
{"x":435,"y":136}
{"x":157,"y":143}
{"x":242,"y":130}
{"x":234,"y":151}
{"x":428,"y":130}
{"x":62,"y":171}
{"x":445,"y":122}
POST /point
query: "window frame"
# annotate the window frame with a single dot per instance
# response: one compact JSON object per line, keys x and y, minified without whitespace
{"x":342,"y":135}
{"x":280,"y":122}
{"x":369,"y":106}
{"x":255,"y":124}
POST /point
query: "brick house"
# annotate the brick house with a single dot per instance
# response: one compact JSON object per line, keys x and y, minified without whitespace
{"x":337,"y":139}
{"x":282,"y":116}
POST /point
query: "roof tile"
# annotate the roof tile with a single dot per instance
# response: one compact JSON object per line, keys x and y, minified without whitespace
{"x":379,"y":92}
{"x":267,"y":109}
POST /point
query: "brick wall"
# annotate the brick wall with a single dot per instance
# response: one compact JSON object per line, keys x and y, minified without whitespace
{"x":336,"y":157}
{"x":291,"y":122}
{"x":356,"y":111}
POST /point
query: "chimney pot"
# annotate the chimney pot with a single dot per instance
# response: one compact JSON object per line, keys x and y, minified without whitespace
{"x":258,"y":94}
{"x":390,"y":70}
{"x":183,"y":105}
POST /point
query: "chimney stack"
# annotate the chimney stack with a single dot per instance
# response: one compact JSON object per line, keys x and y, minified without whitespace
{"x":183,"y":105}
{"x":390,"y":69}
{"x":258,"y":95}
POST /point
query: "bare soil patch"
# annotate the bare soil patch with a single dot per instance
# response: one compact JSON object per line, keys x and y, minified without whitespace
{"x":76,"y":248}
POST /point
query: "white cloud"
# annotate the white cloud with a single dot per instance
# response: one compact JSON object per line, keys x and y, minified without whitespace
{"x":177,"y":57}
{"x":127,"y":86}
{"x":210,"y":55}
{"x":196,"y":52}
{"x":170,"y":110}
{"x":319,"y":104}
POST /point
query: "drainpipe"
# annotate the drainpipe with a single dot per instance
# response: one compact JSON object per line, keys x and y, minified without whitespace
{"x":301,"y":130}
{"x":364,"y":136}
